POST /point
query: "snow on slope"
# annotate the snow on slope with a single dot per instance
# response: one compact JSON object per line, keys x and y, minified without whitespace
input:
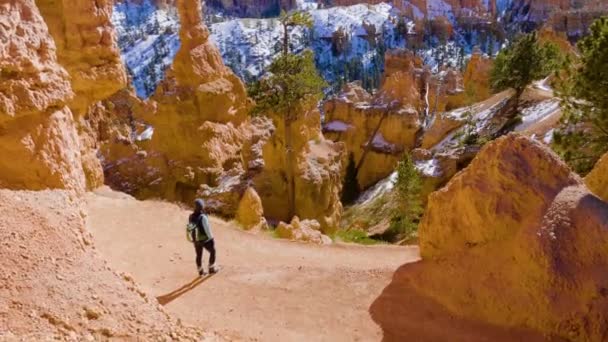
{"x":148,"y":40}
{"x":248,"y":45}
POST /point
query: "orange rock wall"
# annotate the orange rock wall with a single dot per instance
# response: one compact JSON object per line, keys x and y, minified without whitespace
{"x":38,"y":138}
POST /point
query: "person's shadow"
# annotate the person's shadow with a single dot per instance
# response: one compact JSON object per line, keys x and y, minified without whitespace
{"x":171,"y":296}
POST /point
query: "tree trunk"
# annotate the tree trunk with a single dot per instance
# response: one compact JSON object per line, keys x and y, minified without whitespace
{"x":285,"y":40}
{"x":289,"y":172}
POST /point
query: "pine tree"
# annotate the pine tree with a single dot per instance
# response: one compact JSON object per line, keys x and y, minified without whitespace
{"x":522,"y":62}
{"x":407,"y":197}
{"x":350,"y":188}
{"x":583,"y":135}
{"x":292,"y":79}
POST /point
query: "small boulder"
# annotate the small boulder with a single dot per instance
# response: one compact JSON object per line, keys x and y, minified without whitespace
{"x":250,"y":213}
{"x":306,"y":230}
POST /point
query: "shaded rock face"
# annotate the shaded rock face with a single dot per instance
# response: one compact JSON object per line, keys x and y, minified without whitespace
{"x":317,"y":171}
{"x":37,"y":130}
{"x":521,"y":241}
{"x":597,"y":179}
{"x":571,"y":17}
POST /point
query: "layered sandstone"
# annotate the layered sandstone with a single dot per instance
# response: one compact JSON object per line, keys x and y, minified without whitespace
{"x":520,"y":240}
{"x":38,"y":138}
{"x":597,"y":179}
{"x":252,"y":8}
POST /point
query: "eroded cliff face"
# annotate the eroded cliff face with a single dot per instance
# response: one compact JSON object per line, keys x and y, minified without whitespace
{"x":377,"y":129}
{"x":38,"y":138}
{"x":86,"y":48}
{"x":519,"y":238}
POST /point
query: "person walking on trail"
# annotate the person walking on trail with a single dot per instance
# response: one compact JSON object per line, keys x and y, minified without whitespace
{"x":199,"y":231}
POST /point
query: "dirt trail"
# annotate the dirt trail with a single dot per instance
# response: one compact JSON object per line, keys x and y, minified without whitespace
{"x":276,"y":290}
{"x":268,"y":289}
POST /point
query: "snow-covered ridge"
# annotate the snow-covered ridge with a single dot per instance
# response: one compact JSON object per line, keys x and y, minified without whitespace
{"x":249,"y":45}
{"x":148,"y":39}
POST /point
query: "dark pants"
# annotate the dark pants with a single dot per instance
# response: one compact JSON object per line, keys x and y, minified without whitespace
{"x":209,"y":246}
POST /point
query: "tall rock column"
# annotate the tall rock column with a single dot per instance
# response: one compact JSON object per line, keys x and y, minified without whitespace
{"x":87,"y":49}
{"x":38,"y":139}
{"x":196,"y":122}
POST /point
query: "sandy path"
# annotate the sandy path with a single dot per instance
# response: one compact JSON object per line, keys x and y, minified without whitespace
{"x":276,"y":290}
{"x":269,"y":289}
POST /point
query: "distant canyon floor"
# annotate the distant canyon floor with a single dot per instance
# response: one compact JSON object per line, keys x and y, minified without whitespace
{"x":271,"y":289}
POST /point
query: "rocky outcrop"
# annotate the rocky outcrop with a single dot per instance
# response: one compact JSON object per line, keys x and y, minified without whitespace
{"x":376,"y":129}
{"x":317,"y":171}
{"x":194,"y":129}
{"x":570,"y":17}
{"x":520,"y":240}
{"x":306,"y":230}
{"x":37,"y":129}
{"x":86,"y":47}
{"x":250,"y":213}
{"x":597,"y":179}
{"x":476,"y":78}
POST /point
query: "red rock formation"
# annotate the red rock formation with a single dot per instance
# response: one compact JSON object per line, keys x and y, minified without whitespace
{"x":520,"y":240}
{"x":37,"y":130}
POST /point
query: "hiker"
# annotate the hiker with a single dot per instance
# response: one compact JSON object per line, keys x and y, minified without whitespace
{"x":200,"y":234}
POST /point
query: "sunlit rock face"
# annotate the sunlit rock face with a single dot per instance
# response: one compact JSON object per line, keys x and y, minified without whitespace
{"x":597,"y":179}
{"x":520,"y":240}
{"x":316,"y":168}
{"x":38,"y":137}
{"x":86,"y":48}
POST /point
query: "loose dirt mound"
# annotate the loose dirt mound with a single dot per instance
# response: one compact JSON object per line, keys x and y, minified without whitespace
{"x":53,"y":285}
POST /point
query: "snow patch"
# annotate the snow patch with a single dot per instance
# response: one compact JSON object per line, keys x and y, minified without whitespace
{"x":378,"y":189}
{"x":428,"y":168}
{"x":337,"y":126}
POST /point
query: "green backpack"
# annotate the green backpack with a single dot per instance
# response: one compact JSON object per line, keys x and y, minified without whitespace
{"x":198,"y":234}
